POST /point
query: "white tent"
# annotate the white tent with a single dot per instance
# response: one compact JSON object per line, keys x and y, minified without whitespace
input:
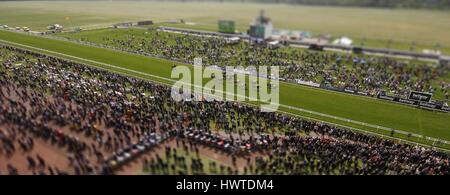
{"x":343,"y":41}
{"x":233,"y":40}
{"x":273,"y":44}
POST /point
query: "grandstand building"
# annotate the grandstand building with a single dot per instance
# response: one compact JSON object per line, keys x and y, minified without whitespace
{"x":444,"y":60}
{"x":261,"y":28}
{"x":123,"y":25}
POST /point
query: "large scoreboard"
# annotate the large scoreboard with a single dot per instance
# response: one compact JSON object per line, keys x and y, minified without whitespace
{"x":226,"y":26}
{"x":257,"y":31}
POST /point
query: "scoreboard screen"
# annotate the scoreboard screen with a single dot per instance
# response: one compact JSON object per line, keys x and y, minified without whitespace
{"x":257,"y":31}
{"x":420,"y":96}
{"x":226,"y":26}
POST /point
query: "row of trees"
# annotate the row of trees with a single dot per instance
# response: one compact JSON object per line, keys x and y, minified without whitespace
{"x":373,"y":3}
{"x":430,"y":4}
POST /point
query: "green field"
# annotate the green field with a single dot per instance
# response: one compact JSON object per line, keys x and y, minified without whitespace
{"x":425,"y":27}
{"x":363,"y":109}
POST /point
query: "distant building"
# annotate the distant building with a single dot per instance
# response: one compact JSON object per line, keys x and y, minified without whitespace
{"x":146,"y":22}
{"x":55,"y":28}
{"x":123,"y":25}
{"x":343,"y":41}
{"x":261,"y":28}
{"x":283,"y":34}
{"x":444,"y":60}
{"x":431,"y":51}
{"x":226,"y":26}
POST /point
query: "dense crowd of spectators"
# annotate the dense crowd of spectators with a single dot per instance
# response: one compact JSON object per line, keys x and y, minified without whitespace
{"x":52,"y":99}
{"x":362,"y":73}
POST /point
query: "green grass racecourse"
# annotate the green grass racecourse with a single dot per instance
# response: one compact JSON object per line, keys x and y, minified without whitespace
{"x":357,"y":108}
{"x":424,"y":27}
